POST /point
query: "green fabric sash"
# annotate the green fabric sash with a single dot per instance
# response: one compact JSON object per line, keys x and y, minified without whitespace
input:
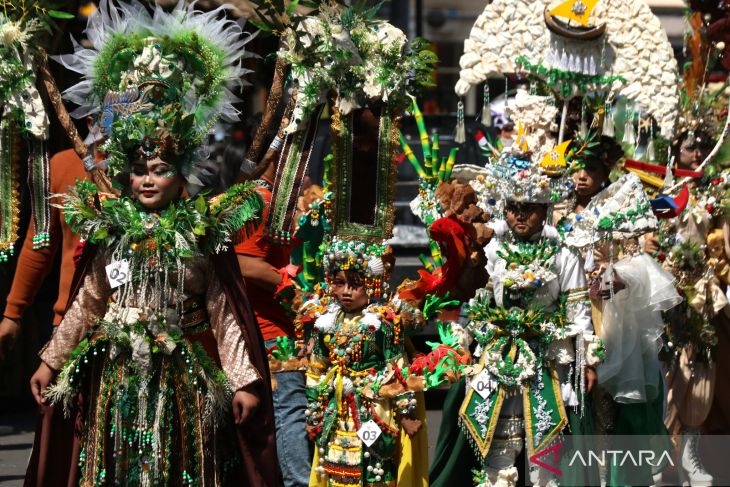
{"x":544,"y":412}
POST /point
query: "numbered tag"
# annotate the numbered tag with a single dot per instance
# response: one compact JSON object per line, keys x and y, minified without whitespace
{"x":118,"y":273}
{"x":483,"y":384}
{"x":369,"y":432}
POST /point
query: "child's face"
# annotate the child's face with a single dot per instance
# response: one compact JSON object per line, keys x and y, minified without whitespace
{"x":349,"y":289}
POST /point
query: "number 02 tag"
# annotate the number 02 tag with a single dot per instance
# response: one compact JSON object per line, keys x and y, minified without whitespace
{"x":118,"y":273}
{"x":483,"y":384}
{"x":369,"y":432}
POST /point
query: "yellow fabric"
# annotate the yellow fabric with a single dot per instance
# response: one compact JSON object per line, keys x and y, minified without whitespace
{"x":597,"y":314}
{"x":314,"y":479}
{"x":413,"y":466}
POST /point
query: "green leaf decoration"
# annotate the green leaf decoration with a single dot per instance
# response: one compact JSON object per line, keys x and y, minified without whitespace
{"x":57,"y":14}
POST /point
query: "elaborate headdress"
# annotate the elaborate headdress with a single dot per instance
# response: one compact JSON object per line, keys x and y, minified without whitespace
{"x":534,"y":168}
{"x":365,"y":69}
{"x":365,"y":258}
{"x":703,"y":101}
{"x":157,"y":82}
{"x":602,"y":52}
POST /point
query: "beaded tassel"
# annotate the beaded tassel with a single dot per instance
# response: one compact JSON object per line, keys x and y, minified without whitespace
{"x":486,"y":112}
{"x":629,"y":135}
{"x":650,"y":150}
{"x":9,"y":195}
{"x":583,"y":123}
{"x":39,"y":174}
{"x":608,"y":122}
{"x":460,"y":136}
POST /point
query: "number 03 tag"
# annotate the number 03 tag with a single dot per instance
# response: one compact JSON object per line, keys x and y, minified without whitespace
{"x":369,"y":432}
{"x":118,"y":273}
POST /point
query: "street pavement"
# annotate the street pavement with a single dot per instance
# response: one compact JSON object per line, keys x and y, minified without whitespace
{"x":16,"y":440}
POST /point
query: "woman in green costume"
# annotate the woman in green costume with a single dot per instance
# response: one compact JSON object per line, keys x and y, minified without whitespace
{"x":157,"y":357}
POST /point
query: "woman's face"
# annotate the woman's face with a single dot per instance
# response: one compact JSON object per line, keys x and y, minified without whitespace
{"x":349,"y":289}
{"x":155,"y":183}
{"x":691,"y":154}
{"x":525,"y":219}
{"x":590,"y":180}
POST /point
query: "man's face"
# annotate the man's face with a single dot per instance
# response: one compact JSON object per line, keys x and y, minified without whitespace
{"x":590,"y":179}
{"x":525,"y":219}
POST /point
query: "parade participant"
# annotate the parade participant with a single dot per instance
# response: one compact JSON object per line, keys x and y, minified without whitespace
{"x":158,"y":355}
{"x":34,"y":264}
{"x":628,"y":290}
{"x":353,"y":375}
{"x":532,"y":323}
{"x":263,"y":266}
{"x":695,"y":339}
{"x":611,"y":249}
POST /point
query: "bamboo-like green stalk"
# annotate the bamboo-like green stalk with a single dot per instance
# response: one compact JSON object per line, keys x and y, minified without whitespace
{"x":422,"y":132}
{"x":442,"y":170}
{"x":450,"y":163}
{"x":411,"y":157}
{"x":436,"y":253}
{"x":435,"y":155}
{"x":426,"y":263}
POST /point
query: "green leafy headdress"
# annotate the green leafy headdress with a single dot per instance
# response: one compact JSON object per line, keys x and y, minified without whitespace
{"x":157,"y":81}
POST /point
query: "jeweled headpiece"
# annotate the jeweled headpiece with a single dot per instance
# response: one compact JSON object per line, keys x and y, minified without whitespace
{"x":157,"y":82}
{"x":364,"y":258}
{"x":350,"y":255}
{"x":534,"y":168}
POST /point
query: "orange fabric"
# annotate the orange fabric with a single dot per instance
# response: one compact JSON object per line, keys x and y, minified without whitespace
{"x":271,"y":316}
{"x":34,"y":265}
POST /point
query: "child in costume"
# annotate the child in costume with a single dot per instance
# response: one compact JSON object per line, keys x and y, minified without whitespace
{"x":359,"y":403}
{"x":158,"y":355}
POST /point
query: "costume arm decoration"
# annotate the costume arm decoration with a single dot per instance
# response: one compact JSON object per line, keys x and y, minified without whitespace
{"x":444,"y":363}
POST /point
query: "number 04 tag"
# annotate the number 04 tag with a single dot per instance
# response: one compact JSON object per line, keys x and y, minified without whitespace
{"x":118,"y":273}
{"x":483,"y":384}
{"x":369,"y":432}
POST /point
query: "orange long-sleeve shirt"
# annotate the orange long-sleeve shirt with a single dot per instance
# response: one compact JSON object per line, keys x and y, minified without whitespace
{"x":34,"y":265}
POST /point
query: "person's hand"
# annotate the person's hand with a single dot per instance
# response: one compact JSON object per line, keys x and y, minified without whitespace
{"x":245,"y":403}
{"x":618,"y":285}
{"x":411,"y":426}
{"x":591,"y":378}
{"x":651,"y":243}
{"x":9,"y":329}
{"x":39,"y":382}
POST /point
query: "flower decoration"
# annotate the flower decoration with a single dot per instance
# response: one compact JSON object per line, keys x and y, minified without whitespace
{"x":347,"y":51}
